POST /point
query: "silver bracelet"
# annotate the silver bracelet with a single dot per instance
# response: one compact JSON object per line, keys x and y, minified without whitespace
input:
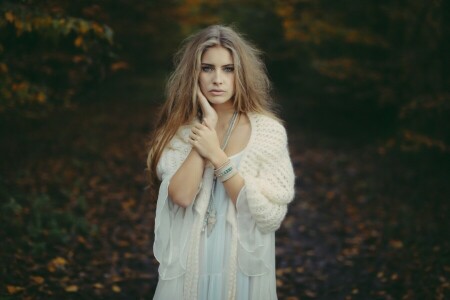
{"x":222,"y":165}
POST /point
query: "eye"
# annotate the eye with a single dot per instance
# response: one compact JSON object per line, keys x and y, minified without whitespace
{"x":228,"y":69}
{"x":206,"y":69}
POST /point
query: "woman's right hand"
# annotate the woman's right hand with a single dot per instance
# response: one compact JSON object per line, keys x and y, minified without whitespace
{"x":209,"y":113}
{"x":204,"y":139}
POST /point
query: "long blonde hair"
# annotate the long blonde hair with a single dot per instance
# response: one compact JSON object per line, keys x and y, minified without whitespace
{"x":252,"y":86}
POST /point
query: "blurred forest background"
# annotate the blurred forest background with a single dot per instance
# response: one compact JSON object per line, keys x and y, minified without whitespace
{"x":364,"y":88}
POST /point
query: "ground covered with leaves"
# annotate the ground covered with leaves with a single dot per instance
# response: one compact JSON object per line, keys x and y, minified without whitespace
{"x":77,"y":219}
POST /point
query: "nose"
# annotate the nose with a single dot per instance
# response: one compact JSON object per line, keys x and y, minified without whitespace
{"x":218,"y":78}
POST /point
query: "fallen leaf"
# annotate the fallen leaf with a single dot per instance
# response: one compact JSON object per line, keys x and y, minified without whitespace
{"x":279,"y":283}
{"x":56,"y":264}
{"x":330,"y":195}
{"x":123,"y":243}
{"x":12,"y":289}
{"x":9,"y":16}
{"x":37,"y":279}
{"x":119,"y":66}
{"x":310,"y":293}
{"x":116,"y":288}
{"x":396,"y":244}
{"x":41,"y":97}
{"x":98,"y":285}
{"x":128,"y":204}
{"x":78,"y":41}
{"x":71,"y":288}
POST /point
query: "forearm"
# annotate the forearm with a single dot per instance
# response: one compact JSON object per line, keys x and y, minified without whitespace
{"x":233,"y":186}
{"x":184,"y":183}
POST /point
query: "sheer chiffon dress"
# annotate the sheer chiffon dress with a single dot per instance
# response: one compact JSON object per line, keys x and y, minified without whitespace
{"x":255,"y":275}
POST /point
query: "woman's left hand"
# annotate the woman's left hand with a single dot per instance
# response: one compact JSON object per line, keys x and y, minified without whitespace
{"x":203,"y":138}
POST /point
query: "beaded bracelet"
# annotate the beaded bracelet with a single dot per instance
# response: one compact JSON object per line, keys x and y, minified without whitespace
{"x":233,"y":171}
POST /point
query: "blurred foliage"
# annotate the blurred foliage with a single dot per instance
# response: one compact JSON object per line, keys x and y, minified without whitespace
{"x":41,"y":223}
{"x":47,"y":57}
{"x":392,"y":53}
{"x":387,"y":58}
{"x":65,"y":219}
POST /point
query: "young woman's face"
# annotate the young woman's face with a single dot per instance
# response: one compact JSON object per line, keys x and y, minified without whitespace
{"x":217,"y":75}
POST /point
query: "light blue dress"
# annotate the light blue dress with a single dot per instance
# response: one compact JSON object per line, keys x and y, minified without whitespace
{"x":214,"y":252}
{"x":255,"y":272}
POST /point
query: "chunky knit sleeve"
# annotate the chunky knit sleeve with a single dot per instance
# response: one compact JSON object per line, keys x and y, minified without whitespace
{"x":270,"y":183}
{"x":174,"y":154}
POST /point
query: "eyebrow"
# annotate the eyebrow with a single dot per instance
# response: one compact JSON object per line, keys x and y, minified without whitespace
{"x":211,"y":65}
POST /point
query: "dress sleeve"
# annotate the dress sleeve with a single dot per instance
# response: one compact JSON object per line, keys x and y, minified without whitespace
{"x":255,"y":249}
{"x":173,"y":223}
{"x":272,"y":188}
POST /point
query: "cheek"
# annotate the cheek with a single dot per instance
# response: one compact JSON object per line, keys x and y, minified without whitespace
{"x":202,"y":80}
{"x":232,"y":82}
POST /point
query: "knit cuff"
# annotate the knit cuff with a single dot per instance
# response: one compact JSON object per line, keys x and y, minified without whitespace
{"x":268,"y":215}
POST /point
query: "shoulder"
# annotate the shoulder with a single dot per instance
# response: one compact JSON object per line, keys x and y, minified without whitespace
{"x":174,"y":153}
{"x":266,"y":122}
{"x":267,"y":127}
{"x":178,"y":147}
{"x":180,"y":138}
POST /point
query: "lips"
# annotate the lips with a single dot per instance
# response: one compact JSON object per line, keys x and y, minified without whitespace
{"x":217,"y":92}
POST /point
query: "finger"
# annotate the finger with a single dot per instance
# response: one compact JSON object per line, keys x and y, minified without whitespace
{"x":192,"y":141}
{"x":204,"y":104}
{"x":199,"y":127}
{"x":195,"y":130}
{"x":201,"y":96}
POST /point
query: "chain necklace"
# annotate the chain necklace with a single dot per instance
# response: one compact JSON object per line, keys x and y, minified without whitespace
{"x":210,"y":216}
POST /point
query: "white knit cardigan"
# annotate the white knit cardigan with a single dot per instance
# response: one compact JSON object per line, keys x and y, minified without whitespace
{"x":269,"y":185}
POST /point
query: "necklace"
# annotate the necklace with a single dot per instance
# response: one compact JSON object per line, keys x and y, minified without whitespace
{"x":210,"y":216}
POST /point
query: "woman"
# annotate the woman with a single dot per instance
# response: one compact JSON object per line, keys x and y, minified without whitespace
{"x":226,"y":178}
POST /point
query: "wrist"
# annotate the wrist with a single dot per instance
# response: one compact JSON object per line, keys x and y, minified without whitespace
{"x":200,"y":157}
{"x":218,"y":158}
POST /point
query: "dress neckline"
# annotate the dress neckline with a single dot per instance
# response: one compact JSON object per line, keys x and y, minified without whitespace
{"x":237,"y":154}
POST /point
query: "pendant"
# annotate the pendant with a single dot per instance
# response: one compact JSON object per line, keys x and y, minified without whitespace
{"x":211,"y":221}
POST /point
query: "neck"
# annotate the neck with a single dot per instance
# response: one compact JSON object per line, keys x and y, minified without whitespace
{"x":224,"y":112}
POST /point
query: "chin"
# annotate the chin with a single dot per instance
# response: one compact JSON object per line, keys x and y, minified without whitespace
{"x":218,"y":100}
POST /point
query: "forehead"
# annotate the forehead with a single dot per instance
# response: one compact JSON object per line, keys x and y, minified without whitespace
{"x":217,"y":55}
